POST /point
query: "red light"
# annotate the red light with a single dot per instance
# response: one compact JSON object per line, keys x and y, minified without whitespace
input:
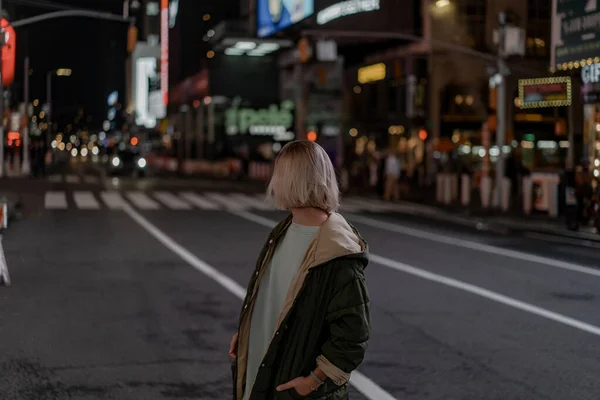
{"x":134,"y":141}
{"x":312,"y":136}
{"x":423,"y":134}
{"x":13,"y":136}
{"x":196,"y":103}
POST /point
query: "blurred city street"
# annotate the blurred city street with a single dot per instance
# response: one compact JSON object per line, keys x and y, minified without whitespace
{"x":134,"y":292}
{"x":137,"y":139}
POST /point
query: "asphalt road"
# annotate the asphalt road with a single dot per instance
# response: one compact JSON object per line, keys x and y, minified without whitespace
{"x":140,"y":302}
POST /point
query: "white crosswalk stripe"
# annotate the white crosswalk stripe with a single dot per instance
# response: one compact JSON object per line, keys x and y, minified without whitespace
{"x":189,"y":200}
{"x":56,"y":201}
{"x":227,"y":201}
{"x":113,"y":200}
{"x":72,"y":179}
{"x":253,"y":202}
{"x":142,"y":201}
{"x":199,"y":201}
{"x":172,"y":201}
{"x":86,"y":201}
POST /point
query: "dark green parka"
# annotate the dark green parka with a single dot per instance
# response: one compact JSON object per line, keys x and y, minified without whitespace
{"x":325,"y":320}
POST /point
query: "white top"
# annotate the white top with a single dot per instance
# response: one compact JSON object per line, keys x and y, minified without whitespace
{"x":272,"y":292}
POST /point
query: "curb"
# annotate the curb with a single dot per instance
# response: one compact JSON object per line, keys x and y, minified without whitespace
{"x":481,"y":223}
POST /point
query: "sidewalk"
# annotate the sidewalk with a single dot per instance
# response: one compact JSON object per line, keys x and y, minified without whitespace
{"x":487,"y":219}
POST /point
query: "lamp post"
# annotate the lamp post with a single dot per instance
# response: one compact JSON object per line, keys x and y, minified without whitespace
{"x":49,"y":75}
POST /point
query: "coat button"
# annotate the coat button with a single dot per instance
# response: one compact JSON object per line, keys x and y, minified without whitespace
{"x":256,"y":273}
{"x":276,"y":333}
{"x":262,"y":365}
{"x":271,"y":241}
{"x":246,"y":306}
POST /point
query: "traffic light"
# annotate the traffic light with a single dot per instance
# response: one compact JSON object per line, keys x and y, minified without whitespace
{"x":312,"y":136}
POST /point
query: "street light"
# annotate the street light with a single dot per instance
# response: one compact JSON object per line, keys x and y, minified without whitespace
{"x":442,"y":3}
{"x":49,"y":75}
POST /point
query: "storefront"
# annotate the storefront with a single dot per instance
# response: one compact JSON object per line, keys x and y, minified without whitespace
{"x":590,"y":76}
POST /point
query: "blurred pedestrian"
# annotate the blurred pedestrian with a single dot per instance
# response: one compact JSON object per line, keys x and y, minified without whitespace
{"x":304,"y":325}
{"x":392,"y":176}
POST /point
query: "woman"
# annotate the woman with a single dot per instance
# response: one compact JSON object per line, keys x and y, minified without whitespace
{"x":304,"y":325}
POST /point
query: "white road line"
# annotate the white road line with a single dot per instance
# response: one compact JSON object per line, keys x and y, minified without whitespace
{"x":86,"y":201}
{"x":222,"y":279}
{"x":369,"y":205}
{"x":253,"y":202}
{"x":363,"y":384}
{"x":72,"y":179}
{"x":199,"y":201}
{"x":55,"y":201}
{"x":55,"y":178}
{"x":113,"y":200}
{"x":226,"y":201}
{"x":453,"y":241}
{"x":466,"y":287}
{"x":172,"y":201}
{"x":141,"y":200}
{"x":490,"y":295}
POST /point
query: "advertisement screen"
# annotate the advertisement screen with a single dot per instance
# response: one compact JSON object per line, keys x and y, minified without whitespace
{"x":275,"y":15}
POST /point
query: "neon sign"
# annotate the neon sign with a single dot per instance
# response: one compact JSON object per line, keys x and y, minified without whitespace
{"x":346,"y":8}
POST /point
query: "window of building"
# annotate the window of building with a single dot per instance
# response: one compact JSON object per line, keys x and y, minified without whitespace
{"x":393,"y":99}
{"x":539,"y":9}
{"x":472,"y":15}
{"x":538,"y":39}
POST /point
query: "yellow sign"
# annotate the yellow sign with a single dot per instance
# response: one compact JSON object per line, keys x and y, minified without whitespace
{"x":372,"y":73}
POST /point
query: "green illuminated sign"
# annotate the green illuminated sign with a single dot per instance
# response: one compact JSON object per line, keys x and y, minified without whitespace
{"x":273,"y":121}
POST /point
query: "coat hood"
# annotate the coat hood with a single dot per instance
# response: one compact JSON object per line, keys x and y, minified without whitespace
{"x":336,"y":239}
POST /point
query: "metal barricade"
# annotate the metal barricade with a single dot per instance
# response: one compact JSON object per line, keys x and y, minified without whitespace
{"x":4,"y":275}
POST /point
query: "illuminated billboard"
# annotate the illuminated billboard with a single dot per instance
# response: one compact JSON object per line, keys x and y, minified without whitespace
{"x":275,"y":15}
{"x":545,"y":92}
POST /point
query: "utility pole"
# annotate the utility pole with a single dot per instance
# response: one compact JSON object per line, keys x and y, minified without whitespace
{"x":26,"y":168}
{"x":501,"y":110}
{"x":49,"y":105}
{"x":2,"y":40}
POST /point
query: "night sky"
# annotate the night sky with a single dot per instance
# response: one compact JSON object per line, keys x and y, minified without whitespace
{"x":96,"y":52}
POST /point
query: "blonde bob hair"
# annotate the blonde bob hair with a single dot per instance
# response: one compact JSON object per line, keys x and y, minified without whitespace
{"x":304,"y":177}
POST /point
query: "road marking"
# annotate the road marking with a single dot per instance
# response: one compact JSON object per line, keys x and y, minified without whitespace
{"x":199,"y":201}
{"x":354,"y":203}
{"x":256,"y":203}
{"x":113,"y":200}
{"x":172,"y":201}
{"x":55,"y":201}
{"x":226,"y":201}
{"x":490,"y":295}
{"x":72,"y":179}
{"x":55,"y":178}
{"x":363,"y":384}
{"x":86,"y":201}
{"x":141,"y":200}
{"x":455,"y":283}
{"x":453,"y":241}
